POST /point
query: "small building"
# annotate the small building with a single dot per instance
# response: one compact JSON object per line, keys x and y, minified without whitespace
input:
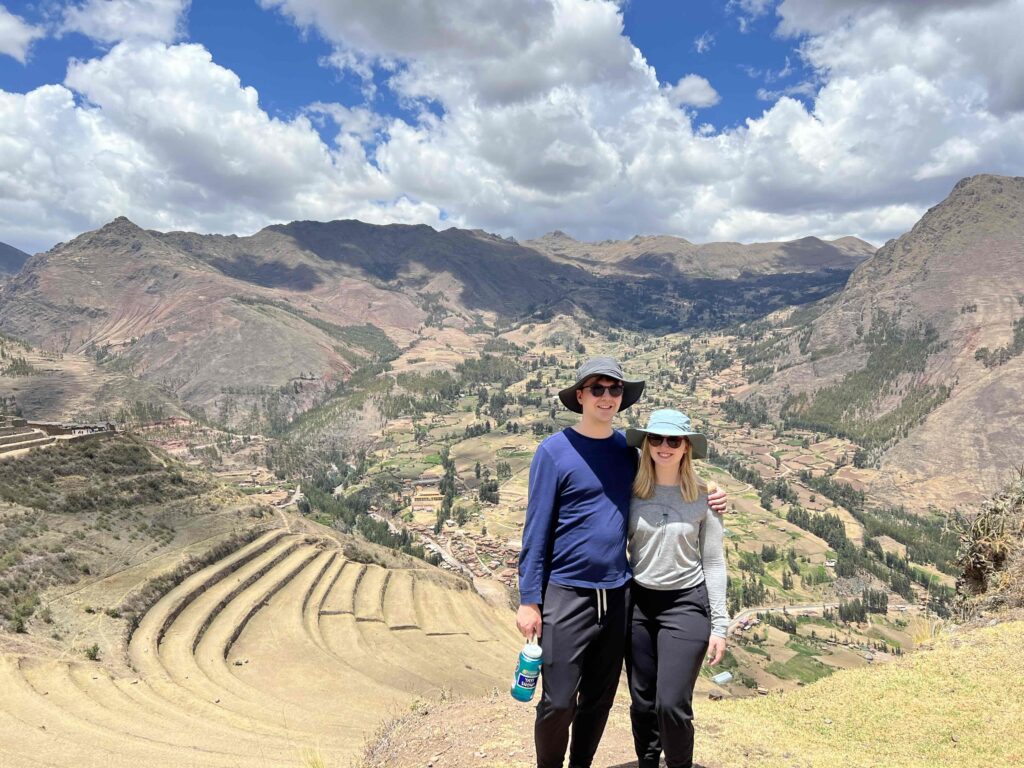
{"x":61,"y":429}
{"x":426,"y":499}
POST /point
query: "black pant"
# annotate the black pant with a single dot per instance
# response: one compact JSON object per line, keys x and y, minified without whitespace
{"x":668,"y":637}
{"x":584,"y":641}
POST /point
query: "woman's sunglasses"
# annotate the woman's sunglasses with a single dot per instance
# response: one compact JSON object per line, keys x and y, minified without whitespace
{"x":597,"y":390}
{"x":674,"y":441}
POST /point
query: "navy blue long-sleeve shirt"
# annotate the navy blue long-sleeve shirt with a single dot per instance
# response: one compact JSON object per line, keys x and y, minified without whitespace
{"x":577,"y":514}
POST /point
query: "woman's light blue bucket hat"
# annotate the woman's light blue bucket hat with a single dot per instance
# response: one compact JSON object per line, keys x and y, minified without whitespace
{"x":669,"y":422}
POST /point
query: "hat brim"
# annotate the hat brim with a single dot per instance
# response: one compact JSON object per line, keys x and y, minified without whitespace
{"x":630,"y":394}
{"x":698,"y":442}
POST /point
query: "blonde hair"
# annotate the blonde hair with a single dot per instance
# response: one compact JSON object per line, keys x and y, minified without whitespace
{"x":690,"y":485}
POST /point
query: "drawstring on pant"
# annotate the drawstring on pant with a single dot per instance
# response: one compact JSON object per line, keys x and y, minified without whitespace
{"x":602,"y":604}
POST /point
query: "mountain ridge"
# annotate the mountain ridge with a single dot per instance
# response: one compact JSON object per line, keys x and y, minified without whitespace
{"x":224,"y":322}
{"x":935,"y":315}
{"x":658,"y":254}
{"x":11,"y":259}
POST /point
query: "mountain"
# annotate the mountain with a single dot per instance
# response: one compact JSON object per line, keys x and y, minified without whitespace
{"x":250,"y":330}
{"x":471,"y":271}
{"x":919,"y":358}
{"x":662,"y":254}
{"x":11,"y":259}
{"x":205,"y":322}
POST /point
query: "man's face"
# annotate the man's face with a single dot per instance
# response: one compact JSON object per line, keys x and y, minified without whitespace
{"x":601,"y":407}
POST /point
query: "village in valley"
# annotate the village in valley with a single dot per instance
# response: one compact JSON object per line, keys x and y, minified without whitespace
{"x":453,"y":478}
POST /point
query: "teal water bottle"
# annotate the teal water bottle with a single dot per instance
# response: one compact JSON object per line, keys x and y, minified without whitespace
{"x":527,"y":671}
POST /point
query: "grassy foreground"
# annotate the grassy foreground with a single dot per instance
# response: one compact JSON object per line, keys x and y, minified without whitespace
{"x":956,"y":703}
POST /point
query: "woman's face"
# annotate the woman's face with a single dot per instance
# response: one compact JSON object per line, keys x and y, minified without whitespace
{"x":665,"y":454}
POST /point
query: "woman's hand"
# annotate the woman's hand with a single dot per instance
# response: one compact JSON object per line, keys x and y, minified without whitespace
{"x":716,"y":650}
{"x":717,"y":500}
{"x":528,"y":620}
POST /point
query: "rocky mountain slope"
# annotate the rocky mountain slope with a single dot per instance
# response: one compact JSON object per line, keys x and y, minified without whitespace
{"x":263,"y":326}
{"x":920,"y":356}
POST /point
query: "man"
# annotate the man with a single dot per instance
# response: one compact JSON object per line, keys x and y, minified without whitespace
{"x":573,"y":572}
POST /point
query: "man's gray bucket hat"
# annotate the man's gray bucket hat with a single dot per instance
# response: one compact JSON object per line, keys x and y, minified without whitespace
{"x":668,"y":422}
{"x":607,"y":367}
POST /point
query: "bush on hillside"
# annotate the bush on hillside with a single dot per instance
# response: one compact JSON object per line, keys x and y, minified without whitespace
{"x":991,"y":552}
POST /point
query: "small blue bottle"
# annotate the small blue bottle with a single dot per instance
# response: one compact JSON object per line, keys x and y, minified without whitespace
{"x":527,"y":670}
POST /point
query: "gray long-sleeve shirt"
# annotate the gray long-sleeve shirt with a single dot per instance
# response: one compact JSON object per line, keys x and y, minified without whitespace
{"x":676,"y":544}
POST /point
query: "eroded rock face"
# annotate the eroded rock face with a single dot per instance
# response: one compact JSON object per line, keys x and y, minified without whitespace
{"x":957,"y":278}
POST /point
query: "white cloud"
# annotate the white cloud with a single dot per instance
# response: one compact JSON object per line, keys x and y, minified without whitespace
{"x":360,"y":66}
{"x":529,"y":116}
{"x":173,"y":141}
{"x":360,"y":122}
{"x":110,"y":21}
{"x":455,"y":29}
{"x":16,"y":35}
{"x":752,"y":8}
{"x":821,"y":16}
{"x":972,"y":50}
{"x":591,"y":145}
{"x":703,"y":43}
{"x":693,"y":91}
{"x":805,"y":88}
{"x":748,"y":11}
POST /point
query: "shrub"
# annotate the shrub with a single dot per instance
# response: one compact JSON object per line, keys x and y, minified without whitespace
{"x":991,"y":552}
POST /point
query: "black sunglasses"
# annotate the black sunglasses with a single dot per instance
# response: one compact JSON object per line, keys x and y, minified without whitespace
{"x":597,"y":390}
{"x":674,"y":441}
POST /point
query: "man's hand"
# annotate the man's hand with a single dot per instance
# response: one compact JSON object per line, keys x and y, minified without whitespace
{"x":717,"y":500}
{"x":716,"y":650}
{"x":528,"y":620}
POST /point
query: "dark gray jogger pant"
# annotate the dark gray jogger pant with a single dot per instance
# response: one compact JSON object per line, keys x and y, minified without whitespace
{"x":668,"y":637}
{"x":584,"y":641}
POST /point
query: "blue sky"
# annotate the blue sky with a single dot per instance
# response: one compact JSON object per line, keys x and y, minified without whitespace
{"x":679,"y":38}
{"x":285,"y":64}
{"x":713,"y":120}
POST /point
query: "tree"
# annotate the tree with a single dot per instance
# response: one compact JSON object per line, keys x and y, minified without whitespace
{"x":489,"y":491}
{"x":787,"y":579}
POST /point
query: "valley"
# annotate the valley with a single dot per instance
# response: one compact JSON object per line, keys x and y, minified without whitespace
{"x":308,"y":522}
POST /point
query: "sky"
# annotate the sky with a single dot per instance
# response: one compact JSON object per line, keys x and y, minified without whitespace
{"x":743,"y":120}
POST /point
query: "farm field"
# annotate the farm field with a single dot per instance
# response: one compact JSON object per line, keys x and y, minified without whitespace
{"x":284,"y":650}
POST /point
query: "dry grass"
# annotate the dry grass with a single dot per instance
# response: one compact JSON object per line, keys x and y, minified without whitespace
{"x":311,"y":758}
{"x":924,"y":631}
{"x":950,"y":705}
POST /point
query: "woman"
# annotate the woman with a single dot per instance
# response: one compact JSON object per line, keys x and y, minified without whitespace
{"x":678,"y":595}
